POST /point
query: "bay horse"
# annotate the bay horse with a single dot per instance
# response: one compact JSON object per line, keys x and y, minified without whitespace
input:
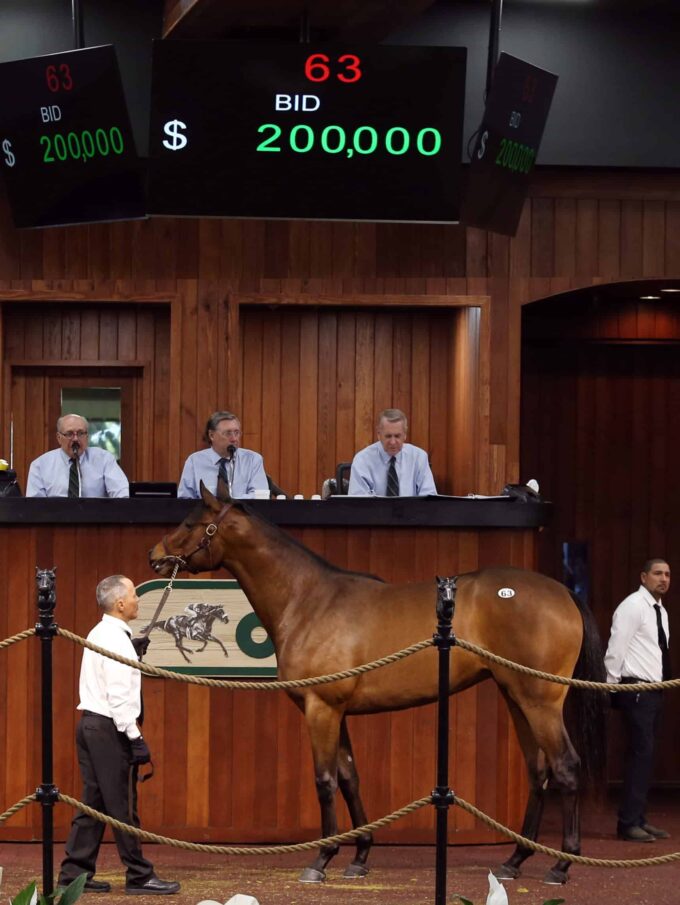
{"x":323,"y":619}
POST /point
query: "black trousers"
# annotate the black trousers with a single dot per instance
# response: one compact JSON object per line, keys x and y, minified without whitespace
{"x":108,"y":786}
{"x":641,"y":716}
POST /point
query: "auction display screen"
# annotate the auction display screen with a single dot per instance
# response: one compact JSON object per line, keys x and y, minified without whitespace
{"x":66,"y":148}
{"x":326,"y":132}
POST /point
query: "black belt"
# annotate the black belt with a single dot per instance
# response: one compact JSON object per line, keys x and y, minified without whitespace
{"x":97,"y":716}
{"x":633,"y":680}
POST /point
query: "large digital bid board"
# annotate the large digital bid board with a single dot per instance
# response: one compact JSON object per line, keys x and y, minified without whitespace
{"x":67,"y":152}
{"x":328,"y":132}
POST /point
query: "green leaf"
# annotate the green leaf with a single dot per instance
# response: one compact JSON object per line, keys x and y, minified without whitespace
{"x":26,"y":896}
{"x":460,"y":900}
{"x":554,"y":901}
{"x":73,"y":891}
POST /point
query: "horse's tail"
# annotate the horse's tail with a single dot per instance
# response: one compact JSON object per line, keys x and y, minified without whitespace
{"x":160,"y":624}
{"x":586,"y":709}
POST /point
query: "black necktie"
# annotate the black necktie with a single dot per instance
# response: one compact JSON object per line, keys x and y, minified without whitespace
{"x":73,"y":478}
{"x":663,"y":644}
{"x":392,"y":478}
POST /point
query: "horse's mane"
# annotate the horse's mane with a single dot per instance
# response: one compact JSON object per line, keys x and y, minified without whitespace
{"x":283,"y":537}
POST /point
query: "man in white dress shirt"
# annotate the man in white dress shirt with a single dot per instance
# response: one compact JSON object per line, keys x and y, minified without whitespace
{"x":242,"y":470}
{"x":638,"y":652}
{"x":391,"y":467}
{"x":75,"y":469}
{"x":110,"y":747}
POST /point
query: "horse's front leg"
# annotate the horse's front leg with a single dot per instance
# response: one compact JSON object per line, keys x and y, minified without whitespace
{"x":348,"y":780}
{"x":217,"y":641}
{"x":323,"y":723}
{"x":180,"y":647}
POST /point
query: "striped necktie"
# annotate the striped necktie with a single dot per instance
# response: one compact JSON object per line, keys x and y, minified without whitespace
{"x":392,"y":478}
{"x":73,"y":478}
{"x":663,"y":644}
{"x":222,"y":473}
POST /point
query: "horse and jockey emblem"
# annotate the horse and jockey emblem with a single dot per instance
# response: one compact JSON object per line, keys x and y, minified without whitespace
{"x":194,"y":624}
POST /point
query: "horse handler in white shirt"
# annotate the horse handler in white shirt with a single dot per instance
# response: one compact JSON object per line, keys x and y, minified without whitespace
{"x":110,"y":748}
{"x":638,"y":652}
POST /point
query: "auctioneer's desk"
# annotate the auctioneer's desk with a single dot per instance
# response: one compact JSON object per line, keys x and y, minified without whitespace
{"x":235,"y":765}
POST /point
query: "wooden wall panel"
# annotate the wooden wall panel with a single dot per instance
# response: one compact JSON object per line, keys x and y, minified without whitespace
{"x":208,"y":785}
{"x":315,"y":380}
{"x":84,"y":336}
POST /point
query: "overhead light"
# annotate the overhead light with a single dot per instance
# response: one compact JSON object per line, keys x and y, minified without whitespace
{"x":671,"y":289}
{"x":645,"y":298}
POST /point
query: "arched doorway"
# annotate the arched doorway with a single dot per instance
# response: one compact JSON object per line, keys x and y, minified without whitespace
{"x":600,"y":431}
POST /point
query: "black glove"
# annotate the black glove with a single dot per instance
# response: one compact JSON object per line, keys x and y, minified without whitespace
{"x":141,"y":645}
{"x":139,"y":751}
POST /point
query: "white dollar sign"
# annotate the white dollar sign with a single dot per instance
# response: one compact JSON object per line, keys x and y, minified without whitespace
{"x":173,"y":128}
{"x":10,"y":159}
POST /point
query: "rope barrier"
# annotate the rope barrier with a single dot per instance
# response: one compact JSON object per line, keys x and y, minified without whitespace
{"x":566,"y":680}
{"x":17,"y":807}
{"x":20,"y":637}
{"x":240,"y":850}
{"x":349,"y":835}
{"x":564,"y":856}
{"x":147,"y":669}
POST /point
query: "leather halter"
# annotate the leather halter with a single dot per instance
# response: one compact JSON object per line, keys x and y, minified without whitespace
{"x":204,"y":544}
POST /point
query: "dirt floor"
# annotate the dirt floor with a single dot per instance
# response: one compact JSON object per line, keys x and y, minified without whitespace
{"x":400,"y":875}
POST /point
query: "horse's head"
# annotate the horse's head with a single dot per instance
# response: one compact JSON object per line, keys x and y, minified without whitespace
{"x":198,"y":544}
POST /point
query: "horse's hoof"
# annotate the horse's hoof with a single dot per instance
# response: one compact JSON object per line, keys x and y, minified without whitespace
{"x":505,"y":872}
{"x":355,"y":871}
{"x":556,"y":877}
{"x":312,"y":875}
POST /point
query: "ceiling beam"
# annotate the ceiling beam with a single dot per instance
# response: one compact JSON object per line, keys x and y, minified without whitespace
{"x":359,"y":20}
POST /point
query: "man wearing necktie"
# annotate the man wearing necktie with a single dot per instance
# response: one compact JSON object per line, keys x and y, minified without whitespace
{"x":391,"y":467}
{"x":638,"y":651}
{"x":75,"y":469}
{"x":241,"y":470}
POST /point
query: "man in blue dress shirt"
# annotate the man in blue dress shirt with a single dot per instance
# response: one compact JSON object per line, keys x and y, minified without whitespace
{"x":391,"y":467}
{"x":75,"y":469}
{"x":241,"y":469}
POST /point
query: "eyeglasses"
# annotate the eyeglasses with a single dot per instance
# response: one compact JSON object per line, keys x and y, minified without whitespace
{"x":234,"y":433}
{"x":71,"y":435}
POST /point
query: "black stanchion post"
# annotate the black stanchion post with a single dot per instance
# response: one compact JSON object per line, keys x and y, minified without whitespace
{"x":46,"y":793}
{"x":442,"y":796}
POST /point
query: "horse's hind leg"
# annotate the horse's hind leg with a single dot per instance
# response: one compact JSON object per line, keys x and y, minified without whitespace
{"x":537,"y":770}
{"x":348,"y":780}
{"x":323,"y":722}
{"x":551,"y":736}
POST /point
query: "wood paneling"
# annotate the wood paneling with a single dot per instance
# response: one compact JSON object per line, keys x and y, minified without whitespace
{"x":117,"y":344}
{"x":208,"y":785}
{"x":314,"y":380}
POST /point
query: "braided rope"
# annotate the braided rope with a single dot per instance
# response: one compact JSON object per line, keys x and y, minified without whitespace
{"x":349,"y":835}
{"x":17,"y":807}
{"x":565,"y":680}
{"x":240,"y":850}
{"x":20,"y":637}
{"x":564,"y":856}
{"x":147,"y":669}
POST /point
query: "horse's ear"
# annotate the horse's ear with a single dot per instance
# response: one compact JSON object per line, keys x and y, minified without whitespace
{"x":211,"y":501}
{"x":222,"y":493}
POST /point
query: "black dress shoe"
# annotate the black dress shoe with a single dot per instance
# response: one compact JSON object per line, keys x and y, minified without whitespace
{"x":655,"y":831}
{"x":97,"y":886}
{"x":635,"y":834}
{"x":152,"y":887}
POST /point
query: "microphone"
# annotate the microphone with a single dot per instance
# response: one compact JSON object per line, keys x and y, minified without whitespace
{"x":231,"y":449}
{"x":75,"y":446}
